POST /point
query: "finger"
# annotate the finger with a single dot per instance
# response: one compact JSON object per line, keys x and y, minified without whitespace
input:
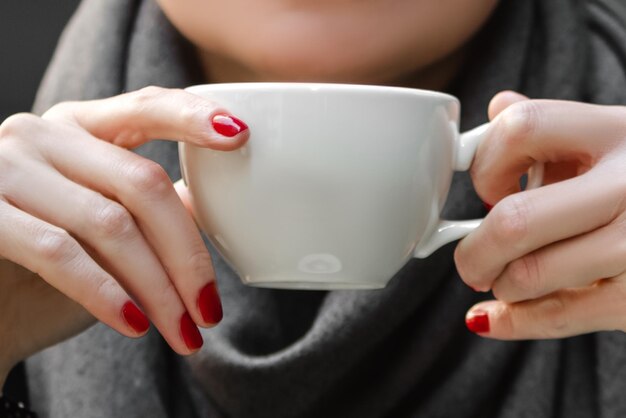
{"x":209,"y":301}
{"x":576,"y":262}
{"x":59,"y":259}
{"x":145,"y":190}
{"x":183,"y":195}
{"x":110,"y":231}
{"x":502,"y":100}
{"x":562,"y":314}
{"x":545,"y":131}
{"x":131,"y":119}
{"x":553,"y":172}
{"x":526,"y":221}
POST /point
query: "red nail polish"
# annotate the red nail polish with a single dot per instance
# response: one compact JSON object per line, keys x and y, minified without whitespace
{"x":478,"y":322}
{"x":135,"y":318}
{"x":487,"y":206}
{"x":228,"y":125}
{"x":209,"y":304}
{"x":189,"y":330}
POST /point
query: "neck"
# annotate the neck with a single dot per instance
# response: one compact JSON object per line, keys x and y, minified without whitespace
{"x":436,"y":76}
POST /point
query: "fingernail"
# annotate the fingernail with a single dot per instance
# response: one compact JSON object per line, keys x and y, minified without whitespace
{"x":478,"y":321}
{"x":209,"y":304}
{"x":191,"y":334}
{"x":135,"y":318}
{"x":228,"y":125}
{"x":487,"y":206}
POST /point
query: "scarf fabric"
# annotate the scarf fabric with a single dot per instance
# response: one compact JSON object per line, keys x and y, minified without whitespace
{"x":401,"y":351}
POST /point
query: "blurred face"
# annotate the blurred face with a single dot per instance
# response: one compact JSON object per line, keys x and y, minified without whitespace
{"x":368,"y":41}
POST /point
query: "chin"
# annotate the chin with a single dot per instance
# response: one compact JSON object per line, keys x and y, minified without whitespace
{"x":365,"y":42}
{"x":325,"y":59}
{"x":323,"y":67}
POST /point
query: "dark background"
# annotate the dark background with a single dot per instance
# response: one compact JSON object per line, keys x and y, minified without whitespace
{"x":29,"y":30}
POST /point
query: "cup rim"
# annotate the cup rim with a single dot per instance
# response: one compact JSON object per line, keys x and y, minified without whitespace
{"x":303,"y":86}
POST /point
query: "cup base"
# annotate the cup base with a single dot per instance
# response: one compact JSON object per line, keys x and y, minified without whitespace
{"x":314,"y":285}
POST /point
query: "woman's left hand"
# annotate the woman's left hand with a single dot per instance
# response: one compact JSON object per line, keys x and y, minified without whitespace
{"x":554,"y":257}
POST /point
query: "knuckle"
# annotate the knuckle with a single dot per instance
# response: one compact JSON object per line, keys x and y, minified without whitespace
{"x":140,"y":102}
{"x":552,"y":317}
{"x":165,"y":292}
{"x":56,"y":246}
{"x":519,"y":121}
{"x":200,"y":263}
{"x":144,"y":97}
{"x":510,"y":217}
{"x":103,"y":289}
{"x":541,"y":319}
{"x":147,"y":176}
{"x":194,"y":108}
{"x":18,"y":125}
{"x":111,"y":219}
{"x":505,"y":318}
{"x":523,"y":274}
{"x":194,"y":114}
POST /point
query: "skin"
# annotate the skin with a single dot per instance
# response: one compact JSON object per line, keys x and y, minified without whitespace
{"x":74,"y":258}
{"x":399,"y":41}
{"x":87,"y":226}
{"x":95,"y":225}
{"x":552,"y":256}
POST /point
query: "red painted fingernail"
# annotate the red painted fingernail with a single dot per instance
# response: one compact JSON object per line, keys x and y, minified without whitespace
{"x":228,"y":125}
{"x":191,"y":334}
{"x":487,"y":206}
{"x":209,"y":304}
{"x":135,"y":318}
{"x":478,"y":322}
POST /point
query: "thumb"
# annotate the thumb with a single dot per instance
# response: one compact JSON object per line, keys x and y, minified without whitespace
{"x":502,"y":100}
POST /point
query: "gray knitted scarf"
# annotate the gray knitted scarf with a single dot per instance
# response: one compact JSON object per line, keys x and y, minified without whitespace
{"x":401,"y":351}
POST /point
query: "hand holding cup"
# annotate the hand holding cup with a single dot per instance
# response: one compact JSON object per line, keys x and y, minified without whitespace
{"x":99,"y":231}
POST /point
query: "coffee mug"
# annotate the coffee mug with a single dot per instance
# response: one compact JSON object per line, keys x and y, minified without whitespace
{"x":338,"y":186}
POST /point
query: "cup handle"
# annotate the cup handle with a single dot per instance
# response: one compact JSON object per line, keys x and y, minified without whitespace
{"x":445,"y":231}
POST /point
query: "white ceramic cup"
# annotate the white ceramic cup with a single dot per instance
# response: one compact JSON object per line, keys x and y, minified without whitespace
{"x":338,"y":185}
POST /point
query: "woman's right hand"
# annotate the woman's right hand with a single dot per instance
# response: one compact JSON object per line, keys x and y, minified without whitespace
{"x":101,"y":226}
